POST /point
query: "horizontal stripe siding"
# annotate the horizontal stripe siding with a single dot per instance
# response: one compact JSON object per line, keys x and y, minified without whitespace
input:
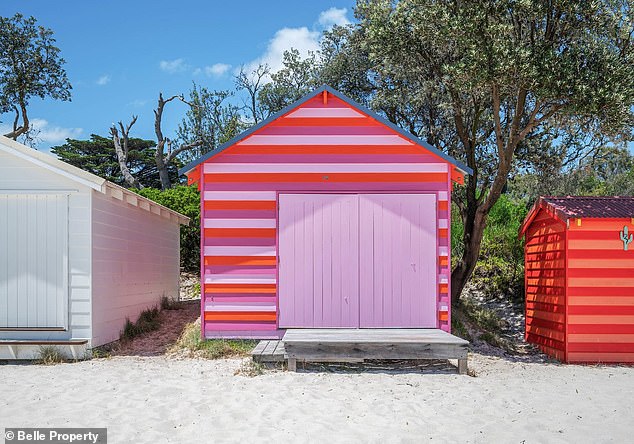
{"x":366,"y":158}
{"x":376,"y":177}
{"x":239,"y":223}
{"x":545,"y":285}
{"x":323,"y":150}
{"x":336,"y":130}
{"x":315,"y":148}
{"x":342,"y":139}
{"x":242,"y":241}
{"x":327,"y":186}
{"x":237,"y":308}
{"x":325,"y":112}
{"x":592,"y":357}
{"x":239,"y":195}
{"x":600,"y":293}
{"x":324,"y":168}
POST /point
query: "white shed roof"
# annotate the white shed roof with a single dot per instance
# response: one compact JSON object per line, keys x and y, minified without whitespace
{"x":88,"y":179}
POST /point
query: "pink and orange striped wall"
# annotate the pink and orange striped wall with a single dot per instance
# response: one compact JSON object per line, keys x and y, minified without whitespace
{"x":324,"y":143}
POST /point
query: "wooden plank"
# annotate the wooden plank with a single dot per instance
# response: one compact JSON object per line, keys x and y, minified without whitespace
{"x":270,"y":348}
{"x":257,"y":351}
{"x":316,"y":351}
{"x":44,"y":342}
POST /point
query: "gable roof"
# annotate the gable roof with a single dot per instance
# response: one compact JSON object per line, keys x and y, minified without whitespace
{"x":459,"y":165}
{"x":575,"y":207}
{"x":52,"y":164}
{"x":85,"y":178}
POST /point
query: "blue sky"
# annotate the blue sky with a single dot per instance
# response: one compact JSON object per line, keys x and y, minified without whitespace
{"x":121,"y":54}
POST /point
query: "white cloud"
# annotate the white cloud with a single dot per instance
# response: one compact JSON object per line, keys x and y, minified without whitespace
{"x":173,"y":66}
{"x":103,"y":80}
{"x":333,"y":16}
{"x":217,"y":69}
{"x":47,"y":133}
{"x":301,"y":39}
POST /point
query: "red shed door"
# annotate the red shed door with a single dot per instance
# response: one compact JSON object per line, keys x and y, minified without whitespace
{"x":348,"y":260}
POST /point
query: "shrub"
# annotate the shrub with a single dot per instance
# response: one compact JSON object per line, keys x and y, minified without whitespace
{"x":185,"y":200}
{"x":500,"y":269}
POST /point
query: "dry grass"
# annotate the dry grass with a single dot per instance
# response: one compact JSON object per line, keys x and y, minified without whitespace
{"x":250,"y":368}
{"x":148,"y":321}
{"x":50,"y":355}
{"x":191,"y":343}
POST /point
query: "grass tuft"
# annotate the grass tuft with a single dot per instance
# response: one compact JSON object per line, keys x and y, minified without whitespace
{"x":148,"y":321}
{"x":250,"y":368}
{"x":190,"y":341}
{"x":170,"y":304}
{"x":50,"y":355}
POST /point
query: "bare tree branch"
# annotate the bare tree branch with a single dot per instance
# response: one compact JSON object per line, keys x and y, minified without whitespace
{"x":122,"y":149}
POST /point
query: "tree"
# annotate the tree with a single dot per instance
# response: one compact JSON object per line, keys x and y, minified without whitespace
{"x":30,"y":66}
{"x":122,"y":149}
{"x":210,"y":120}
{"x":481,"y":79}
{"x":98,"y":156}
{"x":296,"y":78}
{"x":253,"y":83}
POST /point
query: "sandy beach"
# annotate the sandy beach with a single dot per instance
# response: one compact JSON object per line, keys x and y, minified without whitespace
{"x":160,"y":399}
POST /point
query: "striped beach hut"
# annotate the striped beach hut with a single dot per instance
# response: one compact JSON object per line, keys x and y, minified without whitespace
{"x":579,"y":261}
{"x":324,"y":215}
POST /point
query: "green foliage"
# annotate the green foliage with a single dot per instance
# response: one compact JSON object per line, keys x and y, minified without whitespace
{"x":185,"y":200}
{"x":191,"y":342}
{"x":458,"y":328}
{"x":491,"y":82}
{"x":608,"y":172}
{"x":148,"y":321}
{"x":98,"y":156}
{"x":50,"y":355}
{"x":210,"y":119}
{"x":296,"y":78}
{"x":30,"y":66}
{"x":500,"y":269}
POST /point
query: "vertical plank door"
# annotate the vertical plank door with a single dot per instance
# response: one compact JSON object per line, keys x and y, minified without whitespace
{"x":318,"y":251}
{"x":398,"y":260}
{"x":33,"y":260}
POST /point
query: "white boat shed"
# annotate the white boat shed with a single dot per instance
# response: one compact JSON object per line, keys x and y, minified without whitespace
{"x":78,"y":255}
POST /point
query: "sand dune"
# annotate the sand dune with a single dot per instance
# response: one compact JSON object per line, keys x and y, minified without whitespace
{"x":157,"y":399}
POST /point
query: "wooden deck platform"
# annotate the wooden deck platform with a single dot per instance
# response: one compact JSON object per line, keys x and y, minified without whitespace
{"x":269,"y":351}
{"x":355,"y":345}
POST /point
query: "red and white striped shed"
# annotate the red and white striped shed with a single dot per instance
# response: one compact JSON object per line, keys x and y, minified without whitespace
{"x":579,"y":265}
{"x":324,"y":215}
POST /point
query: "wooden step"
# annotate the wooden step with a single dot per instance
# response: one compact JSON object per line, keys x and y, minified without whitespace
{"x":43,"y":342}
{"x":269,"y":351}
{"x":332,"y":345}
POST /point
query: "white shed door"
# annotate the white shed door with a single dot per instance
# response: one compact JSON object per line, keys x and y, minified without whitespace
{"x":33,"y":260}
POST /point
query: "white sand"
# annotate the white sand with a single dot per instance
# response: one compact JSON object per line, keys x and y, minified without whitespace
{"x":158,"y":399}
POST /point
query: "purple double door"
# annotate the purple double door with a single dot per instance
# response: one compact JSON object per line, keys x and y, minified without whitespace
{"x":357,"y":260}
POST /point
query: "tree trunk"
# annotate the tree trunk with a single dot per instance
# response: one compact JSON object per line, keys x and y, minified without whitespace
{"x":166,"y":183}
{"x":122,"y":152}
{"x":474,"y":225}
